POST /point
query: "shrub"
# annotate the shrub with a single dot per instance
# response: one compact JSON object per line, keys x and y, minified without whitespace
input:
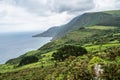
{"x":28,"y":60}
{"x":111,"y":71}
{"x":113,"y":53}
{"x":93,"y":61}
{"x":67,"y":51}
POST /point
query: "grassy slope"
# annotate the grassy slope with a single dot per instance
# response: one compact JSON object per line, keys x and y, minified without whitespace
{"x":79,"y":37}
{"x":101,"y":27}
{"x":86,"y":37}
{"x":114,"y":12}
{"x":87,"y":19}
{"x":49,"y":71}
{"x":46,"y":60}
{"x":75,"y":37}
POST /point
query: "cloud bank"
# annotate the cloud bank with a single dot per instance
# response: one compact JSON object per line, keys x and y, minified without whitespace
{"x":31,"y":15}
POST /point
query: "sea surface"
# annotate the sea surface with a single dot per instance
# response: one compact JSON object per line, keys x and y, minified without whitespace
{"x":14,"y":44}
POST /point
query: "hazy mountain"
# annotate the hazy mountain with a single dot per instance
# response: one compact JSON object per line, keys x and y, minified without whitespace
{"x":109,"y":18}
{"x":49,"y":33}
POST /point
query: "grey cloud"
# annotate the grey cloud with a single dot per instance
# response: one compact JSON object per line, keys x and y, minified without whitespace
{"x":2,"y":14}
{"x":118,"y":4}
{"x":72,"y":6}
{"x":33,"y":6}
{"x":57,"y":6}
{"x":47,"y":7}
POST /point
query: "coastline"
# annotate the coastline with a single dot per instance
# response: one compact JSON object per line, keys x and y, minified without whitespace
{"x":39,"y":42}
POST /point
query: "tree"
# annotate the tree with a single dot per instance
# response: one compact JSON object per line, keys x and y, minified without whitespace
{"x":68,"y":50}
{"x":28,"y":60}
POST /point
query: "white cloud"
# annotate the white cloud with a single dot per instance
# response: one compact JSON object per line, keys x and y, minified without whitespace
{"x":105,"y":5}
{"x":28,"y":15}
{"x":71,"y":6}
{"x":15,"y":18}
{"x":47,"y":6}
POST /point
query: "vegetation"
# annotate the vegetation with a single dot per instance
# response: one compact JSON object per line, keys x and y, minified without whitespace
{"x":88,"y":43}
{"x":28,"y":60}
{"x":73,"y":68}
{"x":67,"y":51}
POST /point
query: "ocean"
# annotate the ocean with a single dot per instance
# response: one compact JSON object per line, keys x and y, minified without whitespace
{"x":13,"y":45}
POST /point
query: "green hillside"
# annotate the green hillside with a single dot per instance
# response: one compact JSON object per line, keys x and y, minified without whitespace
{"x":82,"y":21}
{"x":49,"y":33}
{"x":114,"y":12}
{"x":88,"y":41}
{"x":107,"y":18}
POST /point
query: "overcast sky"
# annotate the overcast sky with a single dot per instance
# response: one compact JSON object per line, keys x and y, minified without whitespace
{"x":31,"y":15}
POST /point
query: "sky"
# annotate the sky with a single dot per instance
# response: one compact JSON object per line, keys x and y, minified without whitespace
{"x":35,"y":15}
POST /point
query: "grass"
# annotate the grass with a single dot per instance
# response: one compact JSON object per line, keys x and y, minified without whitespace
{"x":47,"y":56}
{"x":114,"y":12}
{"x":72,"y":66}
{"x":35,"y":69}
{"x":95,"y":48}
{"x":78,"y":35}
{"x":6,"y":68}
{"x":75,"y":36}
{"x":45,"y":61}
{"x":30,"y":53}
{"x":101,"y":27}
{"x":115,"y":41}
{"x":118,"y":34}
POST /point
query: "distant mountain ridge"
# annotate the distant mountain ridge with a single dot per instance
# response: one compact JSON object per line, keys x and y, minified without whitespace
{"x":109,"y":18}
{"x":49,"y":33}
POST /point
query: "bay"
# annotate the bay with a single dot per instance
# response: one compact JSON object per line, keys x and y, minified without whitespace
{"x":13,"y":45}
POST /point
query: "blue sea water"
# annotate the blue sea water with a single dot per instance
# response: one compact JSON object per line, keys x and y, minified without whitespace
{"x":15,"y":44}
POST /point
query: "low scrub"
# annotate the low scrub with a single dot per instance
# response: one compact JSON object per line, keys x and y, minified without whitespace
{"x":67,"y":51}
{"x":28,"y":60}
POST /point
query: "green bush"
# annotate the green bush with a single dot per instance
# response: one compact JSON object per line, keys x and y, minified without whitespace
{"x":93,"y":61}
{"x":28,"y":60}
{"x":111,"y":71}
{"x":67,"y":51}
